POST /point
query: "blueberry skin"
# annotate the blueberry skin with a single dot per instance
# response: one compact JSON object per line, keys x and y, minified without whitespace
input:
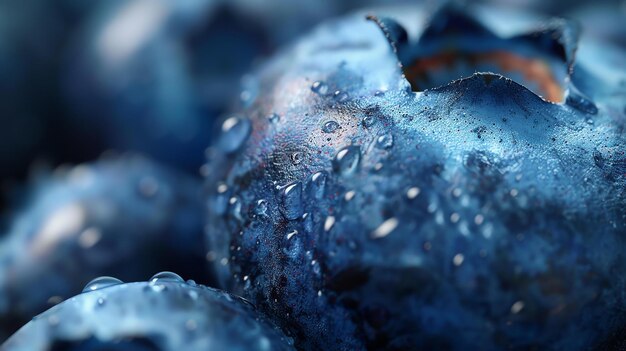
{"x":150,"y":316}
{"x":475,"y":215}
{"x":122,"y":216}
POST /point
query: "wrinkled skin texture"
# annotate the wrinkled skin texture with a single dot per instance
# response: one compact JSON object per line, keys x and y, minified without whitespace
{"x":155,"y":316}
{"x":474,"y":215}
{"x":124,"y":216}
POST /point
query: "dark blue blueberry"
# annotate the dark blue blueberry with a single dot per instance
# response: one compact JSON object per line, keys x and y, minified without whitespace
{"x":490,"y":216}
{"x":164,"y":314}
{"x":125,"y":216}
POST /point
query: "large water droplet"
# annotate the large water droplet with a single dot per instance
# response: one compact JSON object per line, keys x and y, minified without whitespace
{"x":319,"y":88}
{"x":292,"y":201}
{"x":260,"y":209}
{"x":169,"y":277}
{"x":330,"y":127}
{"x":317,"y":185}
{"x":384,"y":141}
{"x":347,"y":160}
{"x":101,"y":283}
{"x":235,"y":131}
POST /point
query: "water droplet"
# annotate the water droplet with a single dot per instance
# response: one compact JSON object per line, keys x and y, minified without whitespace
{"x":385,"y":228}
{"x":260,"y":209}
{"x":273,"y":118}
{"x":368,"y":121}
{"x":349,"y":195}
{"x":235,"y":131}
{"x":101,"y":301}
{"x":148,"y":187}
{"x":517,"y":307}
{"x":341,"y":96}
{"x":412,"y":193}
{"x":166,"y":277}
{"x":329,"y":223}
{"x":479,"y":219}
{"x":297,"y":158}
{"x":292,"y":201}
{"x":330,"y":126}
{"x":384,"y":141}
{"x":290,"y":235}
{"x":101,"y":283}
{"x":347,"y":160}
{"x":458,"y":259}
{"x":454,"y":217}
{"x":320,"y":88}
{"x":317,"y":185}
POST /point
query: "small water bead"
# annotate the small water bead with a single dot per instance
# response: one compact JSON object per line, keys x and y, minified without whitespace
{"x":260,"y":209}
{"x":320,"y":88}
{"x":384,"y":141}
{"x":330,"y":126}
{"x":168,"y":277}
{"x":273,"y":118}
{"x":517,"y":307}
{"x":296,"y":158}
{"x":368,"y":121}
{"x":385,"y":228}
{"x":458,"y":259}
{"x":412,"y":193}
{"x":292,"y":201}
{"x":235,"y":131}
{"x":341,"y":96}
{"x":329,"y":223}
{"x":347,"y":160}
{"x":101,"y":283}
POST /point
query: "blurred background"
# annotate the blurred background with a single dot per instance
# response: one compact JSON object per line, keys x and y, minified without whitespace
{"x":79,"y":79}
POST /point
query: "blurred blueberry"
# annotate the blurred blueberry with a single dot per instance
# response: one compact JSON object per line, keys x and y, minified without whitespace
{"x":124,"y":216}
{"x":164,"y":314}
{"x":449,"y":209}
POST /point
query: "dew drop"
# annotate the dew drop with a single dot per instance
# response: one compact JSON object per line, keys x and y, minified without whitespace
{"x":385,"y":228}
{"x":384,"y":141}
{"x":273,"y":118}
{"x":320,"y":88}
{"x":517,"y":307}
{"x":341,"y":96}
{"x":260,"y":209}
{"x":368,"y":121}
{"x":296,"y":158}
{"x":101,"y":283}
{"x":412,"y":193}
{"x":347,"y":160}
{"x":317,"y":185}
{"x":292,"y":201}
{"x":330,"y":126}
{"x":458,"y":259}
{"x":235,"y":131}
{"x":166,"y":277}
{"x":329,"y":223}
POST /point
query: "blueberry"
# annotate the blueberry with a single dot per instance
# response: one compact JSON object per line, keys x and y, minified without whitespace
{"x":163,"y":314}
{"x":122,"y":216}
{"x":450,"y":210}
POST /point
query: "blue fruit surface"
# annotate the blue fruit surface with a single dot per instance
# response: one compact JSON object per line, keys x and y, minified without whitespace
{"x":122,"y":215}
{"x":390,"y":189}
{"x":164,"y":314}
